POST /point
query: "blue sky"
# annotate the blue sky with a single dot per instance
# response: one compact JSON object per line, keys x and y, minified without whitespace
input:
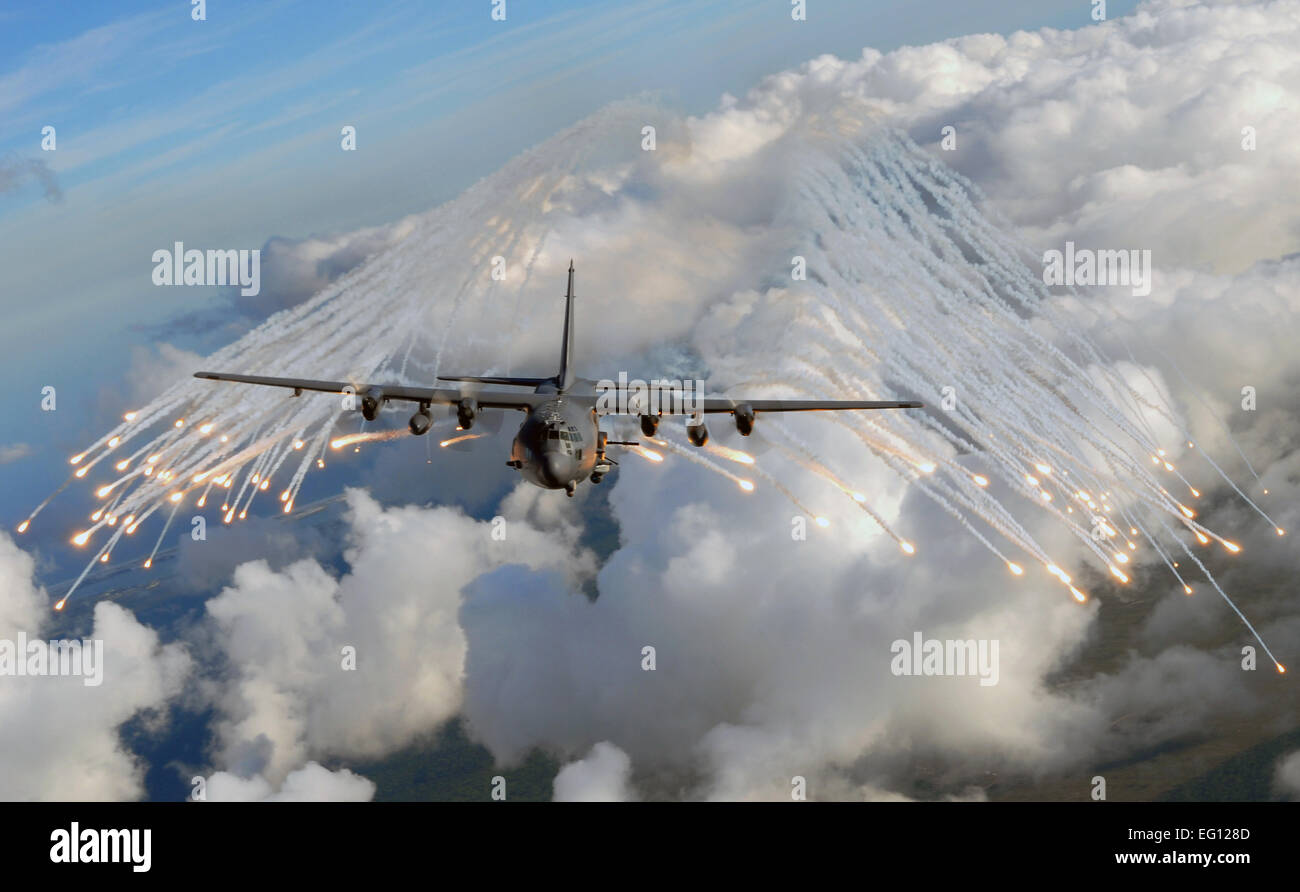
{"x":225,"y":133}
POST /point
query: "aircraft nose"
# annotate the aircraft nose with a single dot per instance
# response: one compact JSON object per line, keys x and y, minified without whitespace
{"x":555,"y":468}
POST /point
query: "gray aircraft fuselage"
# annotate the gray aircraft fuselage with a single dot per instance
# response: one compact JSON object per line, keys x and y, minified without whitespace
{"x":557,"y":444}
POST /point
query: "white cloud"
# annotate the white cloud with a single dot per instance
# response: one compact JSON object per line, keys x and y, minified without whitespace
{"x":1128,"y":133}
{"x":283,"y":634}
{"x":602,"y":776}
{"x":295,"y":269}
{"x":61,"y":737}
{"x":311,"y":783}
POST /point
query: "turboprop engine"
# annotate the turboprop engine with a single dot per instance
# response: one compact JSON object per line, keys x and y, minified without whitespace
{"x":744,"y":419}
{"x":420,"y":422}
{"x":371,"y":402}
{"x":466,"y":412}
{"x":698,"y":434}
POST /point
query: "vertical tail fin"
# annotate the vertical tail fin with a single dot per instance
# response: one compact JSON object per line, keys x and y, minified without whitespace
{"x":566,"y":375}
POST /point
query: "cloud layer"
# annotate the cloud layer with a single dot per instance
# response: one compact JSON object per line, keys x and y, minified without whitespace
{"x":60,"y":737}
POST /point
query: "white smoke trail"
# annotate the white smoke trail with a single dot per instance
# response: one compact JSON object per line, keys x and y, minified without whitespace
{"x":912,"y":287}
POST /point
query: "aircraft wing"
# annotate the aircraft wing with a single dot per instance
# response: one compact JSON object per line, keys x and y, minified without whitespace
{"x":487,"y":399}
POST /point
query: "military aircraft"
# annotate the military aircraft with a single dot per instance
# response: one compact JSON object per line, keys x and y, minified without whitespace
{"x":560,"y":443}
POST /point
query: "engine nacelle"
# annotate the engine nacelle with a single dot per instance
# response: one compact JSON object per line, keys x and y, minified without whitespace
{"x":466,"y":412}
{"x":420,"y":422}
{"x":649,"y":425}
{"x":371,"y":402}
{"x":698,"y":434}
{"x":744,"y":419}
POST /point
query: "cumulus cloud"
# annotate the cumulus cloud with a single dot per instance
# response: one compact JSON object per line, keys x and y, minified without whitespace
{"x":311,"y":783}
{"x":772,"y":658}
{"x":1123,"y":134}
{"x":61,"y":737}
{"x":602,"y":776}
{"x":284,"y":635}
{"x":295,"y":269}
